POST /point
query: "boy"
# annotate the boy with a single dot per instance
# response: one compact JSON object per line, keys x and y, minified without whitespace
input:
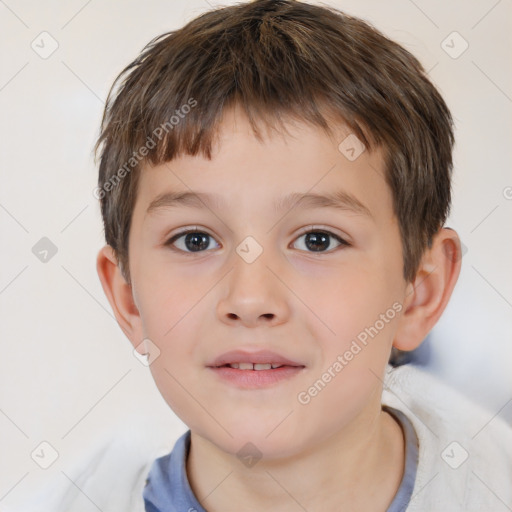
{"x":309,"y":157}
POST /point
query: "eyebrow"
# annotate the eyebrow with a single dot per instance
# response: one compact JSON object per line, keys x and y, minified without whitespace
{"x":340,"y":199}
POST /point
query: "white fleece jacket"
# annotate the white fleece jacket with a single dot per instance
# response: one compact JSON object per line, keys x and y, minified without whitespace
{"x":465,"y":457}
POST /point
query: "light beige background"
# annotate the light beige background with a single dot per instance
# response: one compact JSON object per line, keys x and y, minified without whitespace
{"x":67,"y":373}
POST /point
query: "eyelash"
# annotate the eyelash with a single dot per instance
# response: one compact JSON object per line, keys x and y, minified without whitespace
{"x":304,"y":231}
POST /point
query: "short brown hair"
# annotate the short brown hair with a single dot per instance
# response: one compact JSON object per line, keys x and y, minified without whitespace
{"x":279,"y":59}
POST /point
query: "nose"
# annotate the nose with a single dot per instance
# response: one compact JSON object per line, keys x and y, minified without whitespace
{"x":253,"y":295}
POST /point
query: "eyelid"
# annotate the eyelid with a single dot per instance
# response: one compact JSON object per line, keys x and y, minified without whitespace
{"x":168,"y":239}
{"x":315,"y":227}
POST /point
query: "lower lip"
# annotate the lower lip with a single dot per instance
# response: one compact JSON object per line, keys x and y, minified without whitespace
{"x":254,"y":379}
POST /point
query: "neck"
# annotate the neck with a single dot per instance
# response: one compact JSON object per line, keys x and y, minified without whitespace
{"x":353,"y":471}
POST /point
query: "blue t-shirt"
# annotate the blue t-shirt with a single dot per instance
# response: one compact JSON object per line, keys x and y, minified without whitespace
{"x":168,"y":490}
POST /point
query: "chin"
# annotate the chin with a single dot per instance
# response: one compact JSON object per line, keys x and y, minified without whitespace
{"x":258,"y":440}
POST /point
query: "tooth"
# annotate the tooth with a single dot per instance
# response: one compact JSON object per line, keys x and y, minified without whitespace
{"x":262,"y":366}
{"x":255,"y":366}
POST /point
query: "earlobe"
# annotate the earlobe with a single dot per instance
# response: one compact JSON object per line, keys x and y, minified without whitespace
{"x":426,"y":298}
{"x":119,"y":294}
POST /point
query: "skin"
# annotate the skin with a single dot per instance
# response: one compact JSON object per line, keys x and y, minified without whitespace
{"x":307,"y":305}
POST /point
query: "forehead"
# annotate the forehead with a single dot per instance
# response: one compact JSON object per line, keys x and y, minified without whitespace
{"x":272,"y":173}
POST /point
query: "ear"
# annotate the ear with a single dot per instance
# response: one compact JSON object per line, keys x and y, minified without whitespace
{"x":119,"y":294}
{"x":427,"y":297}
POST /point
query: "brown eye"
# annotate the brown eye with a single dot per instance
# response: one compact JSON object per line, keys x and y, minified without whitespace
{"x":191,"y":241}
{"x":321,"y":241}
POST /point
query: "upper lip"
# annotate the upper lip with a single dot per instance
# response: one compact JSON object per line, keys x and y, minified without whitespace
{"x":262,"y":356}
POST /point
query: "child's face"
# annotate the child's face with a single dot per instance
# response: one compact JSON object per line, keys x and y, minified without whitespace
{"x":200,"y":299}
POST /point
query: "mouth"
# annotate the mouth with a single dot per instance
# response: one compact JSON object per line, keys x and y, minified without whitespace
{"x":260,"y":360}
{"x":255,"y":370}
{"x":256,"y":366}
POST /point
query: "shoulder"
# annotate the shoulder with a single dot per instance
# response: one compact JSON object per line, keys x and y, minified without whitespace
{"x":465,"y":451}
{"x":109,"y":477}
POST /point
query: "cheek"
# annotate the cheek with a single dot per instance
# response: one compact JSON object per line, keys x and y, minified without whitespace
{"x":175,"y":306}
{"x":164,"y":298}
{"x":343,"y":297}
{"x":357,"y":310}
{"x":173,"y":387}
